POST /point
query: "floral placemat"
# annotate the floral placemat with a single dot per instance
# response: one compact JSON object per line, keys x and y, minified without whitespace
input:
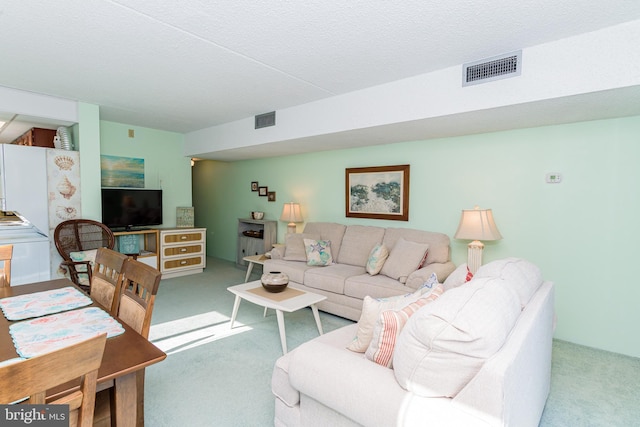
{"x":42,"y":303}
{"x":48,"y":333}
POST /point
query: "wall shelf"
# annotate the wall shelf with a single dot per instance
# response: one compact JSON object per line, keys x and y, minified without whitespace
{"x":255,"y":236}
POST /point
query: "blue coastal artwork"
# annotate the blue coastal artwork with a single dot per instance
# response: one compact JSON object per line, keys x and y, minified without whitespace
{"x":122,"y":172}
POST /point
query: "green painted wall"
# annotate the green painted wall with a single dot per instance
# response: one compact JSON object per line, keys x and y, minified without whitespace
{"x":165,"y":166}
{"x":581,"y":232}
{"x":86,"y":135}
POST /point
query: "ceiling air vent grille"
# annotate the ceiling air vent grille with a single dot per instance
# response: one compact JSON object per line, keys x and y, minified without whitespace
{"x":266,"y":120}
{"x":486,"y":70}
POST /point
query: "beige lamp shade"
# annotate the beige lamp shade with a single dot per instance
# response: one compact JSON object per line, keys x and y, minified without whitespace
{"x":291,"y":214}
{"x":476,"y":224}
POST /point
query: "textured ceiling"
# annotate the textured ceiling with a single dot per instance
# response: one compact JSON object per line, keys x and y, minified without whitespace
{"x":193,"y":64}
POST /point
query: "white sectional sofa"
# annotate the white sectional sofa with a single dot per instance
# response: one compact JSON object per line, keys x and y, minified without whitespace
{"x":345,"y":282}
{"x":478,"y":355}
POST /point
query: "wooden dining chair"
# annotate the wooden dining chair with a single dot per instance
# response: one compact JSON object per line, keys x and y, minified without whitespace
{"x":33,"y":377}
{"x":137,"y":297}
{"x":106,"y":279}
{"x":6,"y":253}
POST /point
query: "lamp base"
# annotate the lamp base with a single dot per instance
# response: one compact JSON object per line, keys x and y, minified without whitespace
{"x":474,"y":255}
{"x":291,"y":228}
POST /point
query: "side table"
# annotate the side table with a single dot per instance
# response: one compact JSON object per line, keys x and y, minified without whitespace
{"x":253,"y":259}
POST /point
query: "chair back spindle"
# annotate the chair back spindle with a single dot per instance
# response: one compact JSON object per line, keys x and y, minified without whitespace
{"x":6,"y":253}
{"x":106,"y":278}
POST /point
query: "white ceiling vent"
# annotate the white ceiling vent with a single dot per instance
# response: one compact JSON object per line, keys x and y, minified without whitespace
{"x":490,"y":69}
{"x":265,"y":120}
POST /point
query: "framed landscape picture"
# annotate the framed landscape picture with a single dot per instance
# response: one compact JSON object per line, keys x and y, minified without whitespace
{"x":379,"y":192}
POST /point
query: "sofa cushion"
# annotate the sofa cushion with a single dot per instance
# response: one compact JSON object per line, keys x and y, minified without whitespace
{"x":438,"y":242}
{"x":78,"y":256}
{"x":331,"y":231}
{"x":81,"y":269}
{"x":390,"y":324}
{"x":332,"y":277}
{"x":446,"y":342}
{"x":364,"y":392}
{"x":460,"y":276}
{"x":294,"y":269}
{"x":524,"y":276}
{"x":294,"y":246}
{"x":280,"y":385}
{"x":372,"y":307}
{"x":405,"y":258}
{"x":377,"y":257}
{"x":357,"y":243}
{"x":378,"y":286}
{"x":318,"y":252}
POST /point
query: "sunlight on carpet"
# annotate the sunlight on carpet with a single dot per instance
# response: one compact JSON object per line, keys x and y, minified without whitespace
{"x":193,"y":331}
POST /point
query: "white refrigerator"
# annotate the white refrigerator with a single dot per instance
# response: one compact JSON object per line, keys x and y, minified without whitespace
{"x":42,"y":186}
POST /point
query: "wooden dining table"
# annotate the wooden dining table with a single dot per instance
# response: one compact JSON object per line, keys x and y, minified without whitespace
{"x":124,"y":356}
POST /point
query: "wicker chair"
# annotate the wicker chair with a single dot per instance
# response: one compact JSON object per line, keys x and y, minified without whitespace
{"x":77,"y":236}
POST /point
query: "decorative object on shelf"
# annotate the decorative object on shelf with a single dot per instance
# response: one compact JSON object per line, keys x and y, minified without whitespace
{"x":476,"y":224}
{"x":262,"y":191}
{"x":257,"y":215}
{"x":271,"y":196}
{"x":65,"y":138}
{"x":254,"y":185}
{"x":258,"y":234}
{"x":291,"y":214}
{"x":121,"y":172}
{"x":185,"y":217}
{"x":129,"y":244}
{"x":274,"y":281}
{"x":380,"y":192}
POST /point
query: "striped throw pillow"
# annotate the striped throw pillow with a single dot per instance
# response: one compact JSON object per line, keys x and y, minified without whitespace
{"x":389,"y":326}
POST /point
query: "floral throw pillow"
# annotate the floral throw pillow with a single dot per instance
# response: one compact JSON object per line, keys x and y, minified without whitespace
{"x":377,"y":257}
{"x":318,"y":252}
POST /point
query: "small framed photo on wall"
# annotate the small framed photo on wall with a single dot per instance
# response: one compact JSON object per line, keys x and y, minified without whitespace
{"x":271,"y":196}
{"x":254,"y":185}
{"x":262,"y":191}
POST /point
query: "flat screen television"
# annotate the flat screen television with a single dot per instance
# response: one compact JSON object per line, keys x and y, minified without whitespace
{"x":126,"y":208}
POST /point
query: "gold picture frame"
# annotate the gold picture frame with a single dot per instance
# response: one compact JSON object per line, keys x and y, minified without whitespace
{"x":379,"y":192}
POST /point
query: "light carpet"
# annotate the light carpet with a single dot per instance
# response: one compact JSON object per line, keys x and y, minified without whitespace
{"x":217,"y":376}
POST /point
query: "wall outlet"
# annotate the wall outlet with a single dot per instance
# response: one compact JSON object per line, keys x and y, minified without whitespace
{"x":554,"y":178}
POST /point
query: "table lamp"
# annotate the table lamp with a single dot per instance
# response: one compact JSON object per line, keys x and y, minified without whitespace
{"x":476,"y":224}
{"x":291,"y":214}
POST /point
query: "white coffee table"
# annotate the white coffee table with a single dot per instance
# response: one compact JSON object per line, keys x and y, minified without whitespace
{"x":264,"y":299}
